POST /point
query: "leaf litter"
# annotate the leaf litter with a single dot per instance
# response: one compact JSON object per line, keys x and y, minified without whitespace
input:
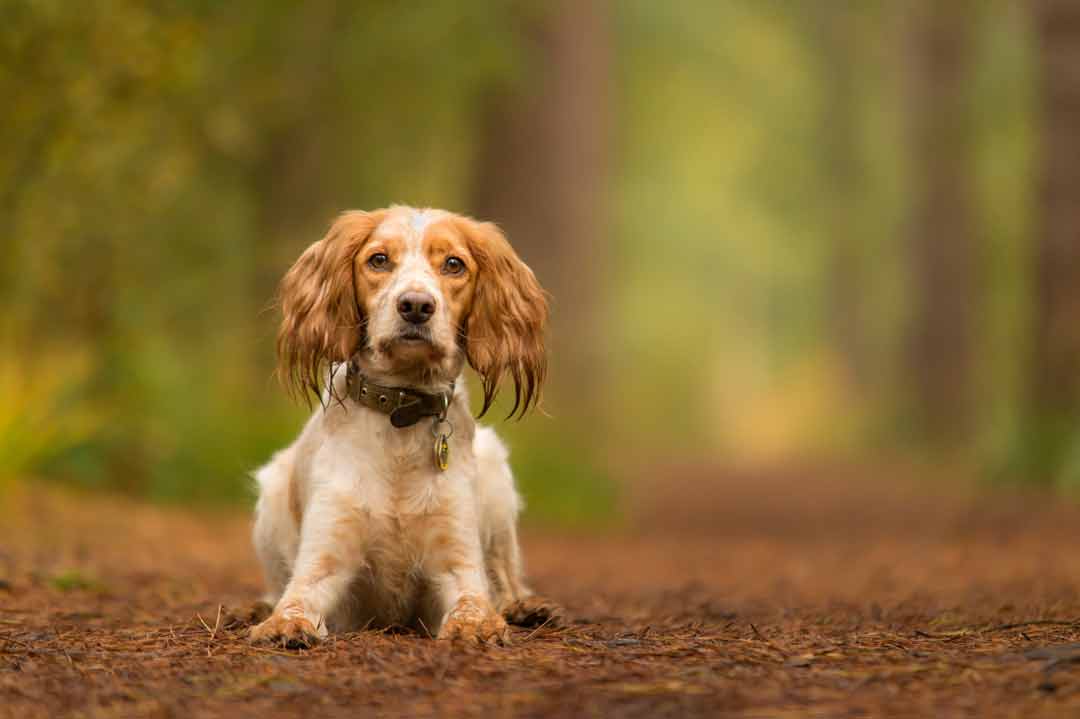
{"x":657,"y":624}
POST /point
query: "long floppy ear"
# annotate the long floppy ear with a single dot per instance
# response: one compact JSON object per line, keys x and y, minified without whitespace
{"x":504,"y":332}
{"x":322,"y":320}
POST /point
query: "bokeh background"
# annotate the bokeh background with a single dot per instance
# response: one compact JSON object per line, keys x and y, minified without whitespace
{"x":776,"y":233}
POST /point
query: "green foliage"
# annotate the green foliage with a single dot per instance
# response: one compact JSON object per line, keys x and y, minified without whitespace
{"x":1041,"y":451}
{"x":147,"y":225}
{"x":74,"y":580}
{"x":44,"y":414}
{"x":561,"y":478}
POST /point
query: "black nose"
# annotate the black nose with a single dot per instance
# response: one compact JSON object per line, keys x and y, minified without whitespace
{"x":416,"y":307}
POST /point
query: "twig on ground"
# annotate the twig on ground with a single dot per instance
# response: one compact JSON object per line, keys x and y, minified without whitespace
{"x":946,"y":637}
{"x":205,"y":625}
{"x":531,"y":634}
{"x":1033,"y":623}
{"x":13,"y":640}
{"x":217,"y":624}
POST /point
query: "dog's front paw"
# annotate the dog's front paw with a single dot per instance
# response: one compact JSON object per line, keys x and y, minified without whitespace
{"x":288,"y":632}
{"x":473,"y":619}
{"x":533,"y":612}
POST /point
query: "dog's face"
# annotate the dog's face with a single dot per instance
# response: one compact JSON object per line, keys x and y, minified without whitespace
{"x":415,"y":279}
{"x":414,"y":293}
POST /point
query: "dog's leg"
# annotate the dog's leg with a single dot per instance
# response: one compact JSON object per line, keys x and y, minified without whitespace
{"x":503,"y":560}
{"x":276,"y":531}
{"x":502,"y":555}
{"x":513,"y":599}
{"x":454,"y":565}
{"x":331,"y":553}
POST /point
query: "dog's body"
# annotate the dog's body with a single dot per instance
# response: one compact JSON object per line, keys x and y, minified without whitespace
{"x":356,"y":522}
{"x":357,"y":495}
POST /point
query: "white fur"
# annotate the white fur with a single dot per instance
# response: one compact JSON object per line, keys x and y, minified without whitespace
{"x":420,"y":219}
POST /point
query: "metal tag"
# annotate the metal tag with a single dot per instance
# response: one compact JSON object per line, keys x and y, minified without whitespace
{"x":442,"y":452}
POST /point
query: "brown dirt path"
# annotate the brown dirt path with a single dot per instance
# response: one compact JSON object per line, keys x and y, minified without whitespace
{"x":765,"y":596}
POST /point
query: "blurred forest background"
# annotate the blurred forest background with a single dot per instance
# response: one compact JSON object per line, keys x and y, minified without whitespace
{"x":772,"y":230}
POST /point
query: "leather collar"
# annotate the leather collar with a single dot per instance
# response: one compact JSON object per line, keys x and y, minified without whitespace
{"x":406,"y":406}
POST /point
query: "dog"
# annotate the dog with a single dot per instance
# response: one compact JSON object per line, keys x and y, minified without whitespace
{"x":393,"y":508}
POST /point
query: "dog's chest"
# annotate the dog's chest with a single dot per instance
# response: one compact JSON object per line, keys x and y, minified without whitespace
{"x":404,"y":546}
{"x":413,"y":493}
{"x":412,"y":503}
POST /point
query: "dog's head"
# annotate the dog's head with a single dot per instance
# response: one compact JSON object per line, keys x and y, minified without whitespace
{"x":414,"y":293}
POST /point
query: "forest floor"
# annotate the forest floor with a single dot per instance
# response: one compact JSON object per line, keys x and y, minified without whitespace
{"x":789,"y":594}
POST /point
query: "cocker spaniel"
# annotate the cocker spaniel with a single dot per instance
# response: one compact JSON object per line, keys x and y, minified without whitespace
{"x":393,"y":508}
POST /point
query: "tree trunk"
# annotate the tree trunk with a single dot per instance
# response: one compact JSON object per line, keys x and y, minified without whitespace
{"x":542,"y":176}
{"x":1055,"y":368}
{"x":941,"y":224}
{"x":839,"y":136}
{"x":290,"y":176}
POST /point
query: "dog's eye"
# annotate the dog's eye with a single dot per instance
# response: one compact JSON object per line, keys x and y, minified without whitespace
{"x":453,"y":266}
{"x":378,"y":261}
